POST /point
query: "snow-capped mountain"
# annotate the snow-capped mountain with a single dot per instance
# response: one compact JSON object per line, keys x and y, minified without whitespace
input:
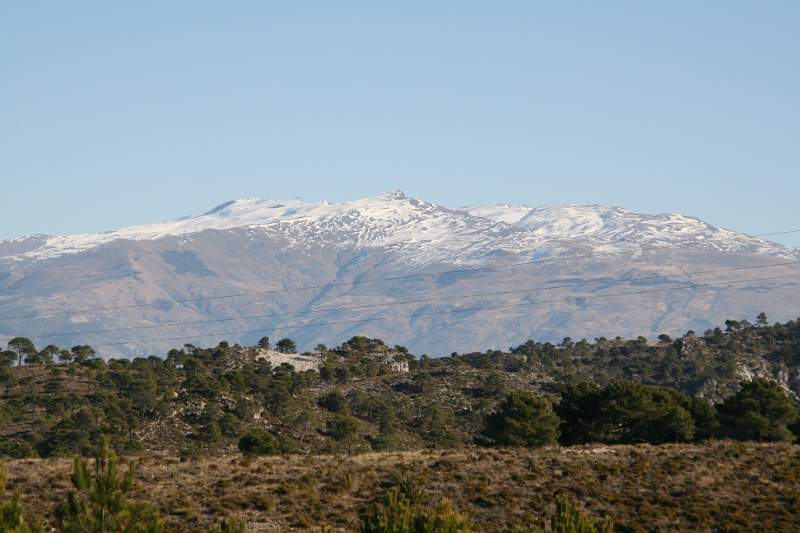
{"x":283,"y":254}
{"x":423,"y":232}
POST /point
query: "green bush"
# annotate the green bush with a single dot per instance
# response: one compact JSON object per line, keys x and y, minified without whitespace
{"x":258,"y":442}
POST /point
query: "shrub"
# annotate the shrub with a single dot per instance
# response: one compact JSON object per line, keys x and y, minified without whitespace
{"x":258,"y":442}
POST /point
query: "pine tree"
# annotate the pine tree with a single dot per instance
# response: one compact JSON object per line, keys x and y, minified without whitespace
{"x":344,"y":430}
{"x":82,"y":353}
{"x":761,"y":411}
{"x":398,"y":514}
{"x":65,"y":356}
{"x":569,"y":519}
{"x":286,"y":346}
{"x":23,"y":347}
{"x":99,"y":502}
{"x":49,"y":353}
{"x":523,"y":419}
{"x":264,"y":344}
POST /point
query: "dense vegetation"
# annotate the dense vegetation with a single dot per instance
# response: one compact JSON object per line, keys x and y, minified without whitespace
{"x":739,"y":383}
{"x":367,"y":396}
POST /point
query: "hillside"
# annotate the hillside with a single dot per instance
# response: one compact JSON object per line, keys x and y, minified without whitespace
{"x":722,"y":486}
{"x":198,"y":401}
{"x":323,"y":272}
{"x":628,"y":428}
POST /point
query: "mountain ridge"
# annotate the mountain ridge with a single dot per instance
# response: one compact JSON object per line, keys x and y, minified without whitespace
{"x":542,"y":225}
{"x":289,"y":258}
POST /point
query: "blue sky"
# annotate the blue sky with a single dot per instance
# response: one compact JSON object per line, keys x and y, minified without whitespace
{"x":117,"y":113}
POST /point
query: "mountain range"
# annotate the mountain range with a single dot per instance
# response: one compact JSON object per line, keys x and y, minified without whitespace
{"x":411,"y":272}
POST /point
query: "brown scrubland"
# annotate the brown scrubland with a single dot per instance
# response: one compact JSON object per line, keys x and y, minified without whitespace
{"x":714,"y":486}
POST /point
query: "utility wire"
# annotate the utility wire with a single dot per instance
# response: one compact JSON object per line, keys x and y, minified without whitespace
{"x":448,"y":311}
{"x":407,"y":302}
{"x":777,"y":233}
{"x":345,"y":283}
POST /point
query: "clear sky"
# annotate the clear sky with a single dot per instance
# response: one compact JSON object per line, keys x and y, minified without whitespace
{"x":114,"y":113}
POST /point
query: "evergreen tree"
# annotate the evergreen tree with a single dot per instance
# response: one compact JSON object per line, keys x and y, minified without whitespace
{"x":522,"y":419}
{"x":705,"y":416}
{"x":263,"y":343}
{"x":438,"y":427}
{"x":760,"y":411}
{"x":99,"y":502}
{"x":286,"y":346}
{"x":569,"y":519}
{"x":49,"y":353}
{"x":334,"y":402}
{"x":82,"y":353}
{"x":34,"y":358}
{"x":397,"y":514}
{"x":258,"y":442}
{"x":23,"y":347}
{"x":624,"y":413}
{"x":344,"y":430}
{"x":65,"y":356}
{"x":210,"y":430}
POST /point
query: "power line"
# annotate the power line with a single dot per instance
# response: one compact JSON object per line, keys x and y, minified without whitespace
{"x":777,"y":233}
{"x":407,"y":302}
{"x":342,"y":283}
{"x":449,"y":311}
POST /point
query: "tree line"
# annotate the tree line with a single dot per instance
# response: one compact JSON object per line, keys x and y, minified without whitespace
{"x":366,"y":395}
{"x":629,"y":413}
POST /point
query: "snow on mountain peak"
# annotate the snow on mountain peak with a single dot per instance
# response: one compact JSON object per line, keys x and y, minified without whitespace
{"x":425,"y":232}
{"x":611,"y":224}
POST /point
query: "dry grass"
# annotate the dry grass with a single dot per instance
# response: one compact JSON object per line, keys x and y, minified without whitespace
{"x":720,"y":486}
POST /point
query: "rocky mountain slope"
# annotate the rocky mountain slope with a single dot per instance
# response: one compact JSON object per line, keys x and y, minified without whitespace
{"x":322,"y":272}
